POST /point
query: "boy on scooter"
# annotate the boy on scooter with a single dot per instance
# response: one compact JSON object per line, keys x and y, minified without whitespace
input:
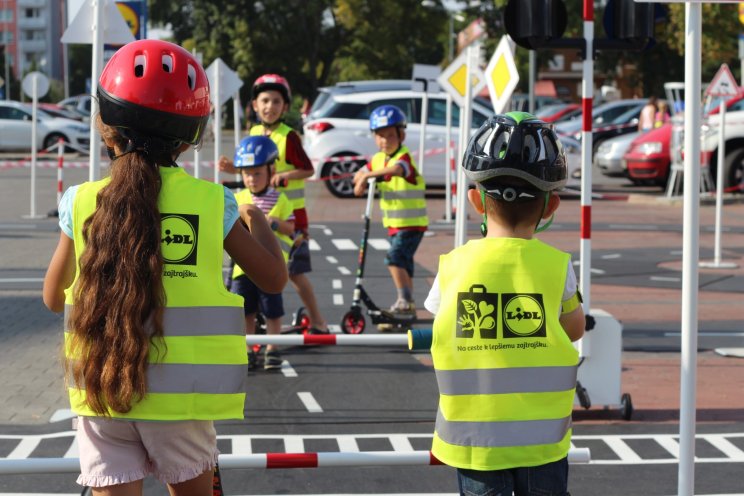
{"x":402,"y":200}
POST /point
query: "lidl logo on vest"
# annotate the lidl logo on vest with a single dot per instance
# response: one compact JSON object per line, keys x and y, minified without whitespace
{"x":179,"y":238}
{"x":524,"y":315}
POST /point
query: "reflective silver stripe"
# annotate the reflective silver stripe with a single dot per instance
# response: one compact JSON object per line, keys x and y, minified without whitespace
{"x":409,"y":194}
{"x":182,"y":378}
{"x":294,"y":194}
{"x":511,"y":380}
{"x":286,"y":247}
{"x":502,"y":434}
{"x":190,"y":378}
{"x":405,"y":214}
{"x":197,"y":321}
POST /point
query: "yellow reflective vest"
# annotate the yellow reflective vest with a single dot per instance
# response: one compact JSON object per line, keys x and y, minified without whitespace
{"x":281,"y":210}
{"x":201,"y":375}
{"x":295,"y":188}
{"x":402,"y":203}
{"x":505,"y":368}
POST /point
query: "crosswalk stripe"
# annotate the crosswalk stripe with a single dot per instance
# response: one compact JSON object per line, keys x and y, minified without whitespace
{"x":379,"y":243}
{"x":344,"y":244}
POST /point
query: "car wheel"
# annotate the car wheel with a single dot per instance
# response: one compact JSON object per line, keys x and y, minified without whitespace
{"x":734,"y":170}
{"x":52,"y":139}
{"x":338,"y":174}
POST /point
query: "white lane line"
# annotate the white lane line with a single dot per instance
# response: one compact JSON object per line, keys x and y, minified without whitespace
{"x":344,"y":244}
{"x":22,"y":279}
{"x":347,"y":444}
{"x":241,"y":445}
{"x":707,"y":334}
{"x":622,"y":450}
{"x":24,"y":448}
{"x":611,"y":256}
{"x":310,"y":403}
{"x":287,"y":369}
{"x":332,"y":260}
{"x":669,"y":444}
{"x":314,"y":246}
{"x":665,"y":279}
{"x":73,"y":451}
{"x":337,"y":284}
{"x":726,"y":447}
{"x":62,"y":414}
{"x":338,"y":299}
{"x":344,"y":271}
{"x":379,"y":243}
{"x":400,"y":443}
{"x":327,"y":232}
{"x":592,"y":270}
{"x":294,"y":444}
{"x":676,"y":252}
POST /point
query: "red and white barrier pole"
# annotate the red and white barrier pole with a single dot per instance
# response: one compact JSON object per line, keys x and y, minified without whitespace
{"x":328,"y":339}
{"x":587,"y":91}
{"x":270,"y":460}
{"x":60,"y":165}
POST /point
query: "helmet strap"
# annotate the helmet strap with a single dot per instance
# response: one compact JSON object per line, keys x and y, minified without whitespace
{"x":538,"y":227}
{"x":484,"y":224}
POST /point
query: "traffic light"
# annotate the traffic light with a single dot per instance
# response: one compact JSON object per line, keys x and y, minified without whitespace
{"x":533,"y":24}
{"x":629,"y":20}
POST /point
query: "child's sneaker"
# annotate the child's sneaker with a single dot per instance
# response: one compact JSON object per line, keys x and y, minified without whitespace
{"x":272,"y":360}
{"x":403,"y":308}
{"x":252,"y":360}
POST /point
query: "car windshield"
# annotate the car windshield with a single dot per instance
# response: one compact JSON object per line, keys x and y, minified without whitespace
{"x":627,"y":116}
{"x":549,"y":109}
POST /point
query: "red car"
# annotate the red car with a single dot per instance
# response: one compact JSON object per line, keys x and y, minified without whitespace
{"x":557,"y":111}
{"x":648,"y":158}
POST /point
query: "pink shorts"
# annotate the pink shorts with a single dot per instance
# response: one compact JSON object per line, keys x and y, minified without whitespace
{"x":119,"y":451}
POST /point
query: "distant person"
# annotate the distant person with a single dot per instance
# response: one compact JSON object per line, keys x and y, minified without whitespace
{"x":154,"y":344}
{"x":402,"y":200}
{"x":648,"y":115}
{"x":662,"y":114}
{"x":254,"y":158}
{"x":507,"y":310}
{"x":271,"y":98}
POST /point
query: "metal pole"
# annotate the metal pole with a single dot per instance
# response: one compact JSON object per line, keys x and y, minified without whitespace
{"x":690,"y":251}
{"x":34,"y":133}
{"x":7,"y":63}
{"x":65,"y":55}
{"x":448,"y":166}
{"x":451,"y":44}
{"x":533,"y":70}
{"x":422,"y":125}
{"x":587,"y":90}
{"x":94,"y":171}
{"x":466,"y":111}
{"x":217,"y":123}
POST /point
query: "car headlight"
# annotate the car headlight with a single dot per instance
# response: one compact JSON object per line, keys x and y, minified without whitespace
{"x":649,"y":148}
{"x":604,"y":148}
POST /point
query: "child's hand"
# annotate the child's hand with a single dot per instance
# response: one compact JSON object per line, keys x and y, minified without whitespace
{"x":279,"y":180}
{"x":360,"y":182}
{"x":226,"y":165}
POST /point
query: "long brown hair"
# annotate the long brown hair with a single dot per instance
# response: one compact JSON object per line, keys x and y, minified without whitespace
{"x":119,"y":295}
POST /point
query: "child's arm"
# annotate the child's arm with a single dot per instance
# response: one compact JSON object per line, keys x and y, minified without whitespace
{"x":296,"y":157}
{"x":285,"y":227}
{"x":257,"y":250}
{"x":226,"y":165}
{"x":572,"y":318}
{"x":60,"y":274}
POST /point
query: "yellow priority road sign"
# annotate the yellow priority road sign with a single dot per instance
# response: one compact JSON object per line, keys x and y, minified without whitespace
{"x":453,"y":78}
{"x":501,"y":75}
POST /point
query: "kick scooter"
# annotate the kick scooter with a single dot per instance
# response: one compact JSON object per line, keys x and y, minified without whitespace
{"x":353,"y":321}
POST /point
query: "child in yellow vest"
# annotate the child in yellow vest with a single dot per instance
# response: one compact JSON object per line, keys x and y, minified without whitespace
{"x":507,"y":311}
{"x":271,"y":98}
{"x":254,"y":158}
{"x":402,"y":200}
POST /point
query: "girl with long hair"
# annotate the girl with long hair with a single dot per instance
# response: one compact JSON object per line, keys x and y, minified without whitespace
{"x":154,"y":344}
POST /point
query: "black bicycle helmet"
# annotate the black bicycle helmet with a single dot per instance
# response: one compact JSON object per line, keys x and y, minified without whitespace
{"x":516,"y":144}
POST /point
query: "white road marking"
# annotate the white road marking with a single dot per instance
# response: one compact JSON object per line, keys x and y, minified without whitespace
{"x":25,"y":447}
{"x":294,"y":444}
{"x":287,"y":369}
{"x":634,"y":227}
{"x":334,"y":328}
{"x":332,"y":260}
{"x":62,"y":414}
{"x":611,"y":256}
{"x":337,"y":284}
{"x":241,"y":445}
{"x":665,"y":279}
{"x":344,"y":271}
{"x":708,"y":334}
{"x":344,"y":244}
{"x":379,"y":243}
{"x":622,"y":450}
{"x":311,"y":405}
{"x":314,"y":246}
{"x":338,"y":299}
{"x":327,"y":232}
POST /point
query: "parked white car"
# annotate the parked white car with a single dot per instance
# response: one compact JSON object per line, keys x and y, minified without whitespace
{"x":339,"y":142}
{"x":609,"y":155}
{"x":733,"y":133}
{"x":15,"y":128}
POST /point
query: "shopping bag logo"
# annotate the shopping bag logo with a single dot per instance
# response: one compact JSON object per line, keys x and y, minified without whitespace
{"x":477,"y":310}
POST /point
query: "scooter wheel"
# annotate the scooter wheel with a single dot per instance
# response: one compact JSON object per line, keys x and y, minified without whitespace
{"x":353,"y":322}
{"x":301,"y":320}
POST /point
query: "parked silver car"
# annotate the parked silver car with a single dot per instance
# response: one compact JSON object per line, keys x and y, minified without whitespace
{"x":609,"y":155}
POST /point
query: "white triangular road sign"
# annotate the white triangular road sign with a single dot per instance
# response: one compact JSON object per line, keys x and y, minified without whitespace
{"x":229,"y":82}
{"x":723,"y":83}
{"x":115,"y":28}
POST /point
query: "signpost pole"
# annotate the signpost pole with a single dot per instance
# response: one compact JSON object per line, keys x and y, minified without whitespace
{"x":448,"y":159}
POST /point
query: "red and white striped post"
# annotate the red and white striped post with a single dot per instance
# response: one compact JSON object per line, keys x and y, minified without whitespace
{"x":587,"y":95}
{"x":60,"y":165}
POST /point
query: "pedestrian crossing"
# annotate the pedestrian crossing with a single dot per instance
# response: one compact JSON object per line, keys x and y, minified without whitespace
{"x":621,"y":449}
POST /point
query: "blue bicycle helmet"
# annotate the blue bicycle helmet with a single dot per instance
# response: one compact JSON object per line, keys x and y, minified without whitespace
{"x":386,"y":116}
{"x":255,"y":151}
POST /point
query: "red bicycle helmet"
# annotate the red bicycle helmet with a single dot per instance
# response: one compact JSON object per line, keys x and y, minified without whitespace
{"x":272,"y":82}
{"x":155,"y":88}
